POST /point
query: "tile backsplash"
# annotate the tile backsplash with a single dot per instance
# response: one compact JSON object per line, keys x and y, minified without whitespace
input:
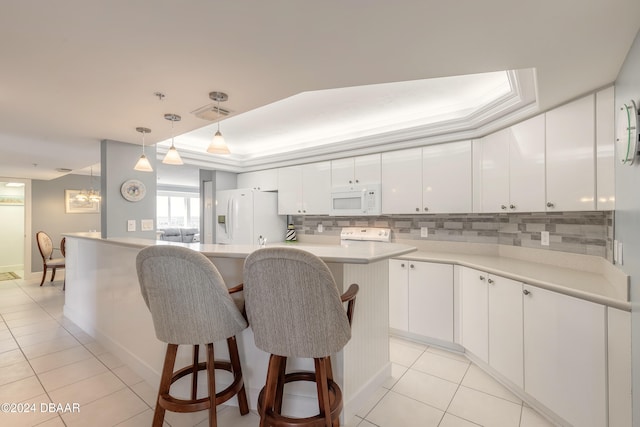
{"x":589,"y":233}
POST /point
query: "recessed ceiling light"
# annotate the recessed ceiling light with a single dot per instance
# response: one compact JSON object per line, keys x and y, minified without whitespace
{"x":64,"y":170}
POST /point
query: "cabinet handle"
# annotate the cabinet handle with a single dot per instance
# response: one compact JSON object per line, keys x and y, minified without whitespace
{"x":357,"y":181}
{"x":299,"y":211}
{"x":512,"y":206}
{"x":526,"y":292}
{"x":550,"y":205}
{"x":490,"y":281}
{"x":426,"y":209}
{"x":482,"y":278}
{"x":417,"y":209}
{"x":350,"y":182}
{"x":412,"y":266}
{"x":503,"y":207}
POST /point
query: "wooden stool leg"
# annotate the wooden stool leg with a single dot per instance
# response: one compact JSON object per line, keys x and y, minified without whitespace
{"x":165,"y":383}
{"x":194,"y":375}
{"x":211,"y":379}
{"x":273,"y":372}
{"x":243,"y":404}
{"x":322,"y":384}
{"x":280,"y":386}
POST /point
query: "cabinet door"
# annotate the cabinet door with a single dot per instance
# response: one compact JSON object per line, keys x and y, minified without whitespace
{"x":342,"y":171}
{"x":605,"y":150}
{"x":401,"y":181}
{"x":399,"y":294}
{"x":265,"y":180}
{"x":526,"y":166}
{"x":290,"y":190}
{"x":565,"y":356}
{"x":431,"y":300}
{"x":505,"y":328}
{"x":495,"y":172}
{"x":619,"y":361}
{"x":570,"y":139}
{"x":474,"y":305}
{"x":316,"y":188}
{"x":367,"y":169}
{"x":446,"y":178}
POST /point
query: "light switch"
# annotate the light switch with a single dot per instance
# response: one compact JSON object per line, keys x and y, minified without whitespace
{"x":424,"y":231}
{"x":131,"y":225}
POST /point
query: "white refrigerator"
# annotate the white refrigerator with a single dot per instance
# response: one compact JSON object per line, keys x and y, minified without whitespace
{"x":243,"y":215}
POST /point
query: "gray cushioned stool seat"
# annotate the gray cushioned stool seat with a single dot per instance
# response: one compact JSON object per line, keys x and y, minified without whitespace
{"x":190,"y":304}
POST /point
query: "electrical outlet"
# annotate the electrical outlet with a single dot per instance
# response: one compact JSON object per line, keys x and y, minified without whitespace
{"x":544,"y":238}
{"x":320,"y":228}
{"x":424,"y":231}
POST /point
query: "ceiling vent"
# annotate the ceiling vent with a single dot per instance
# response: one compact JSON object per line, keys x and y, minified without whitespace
{"x":211,"y":112}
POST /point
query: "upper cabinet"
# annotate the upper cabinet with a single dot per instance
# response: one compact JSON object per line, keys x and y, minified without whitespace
{"x":401,"y":184}
{"x":570,"y":135}
{"x":305,"y":189}
{"x":512,"y":168}
{"x":264,"y":180}
{"x":446,"y":178}
{"x":605,"y":150}
{"x":445,"y":185}
{"x":359,"y":170}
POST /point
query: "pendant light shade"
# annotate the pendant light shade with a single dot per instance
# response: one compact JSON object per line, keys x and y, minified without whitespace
{"x":143,"y":164}
{"x":172,"y":157}
{"x":218,"y":144}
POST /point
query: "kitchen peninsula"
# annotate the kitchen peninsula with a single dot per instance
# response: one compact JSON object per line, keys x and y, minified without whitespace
{"x":103,"y":298}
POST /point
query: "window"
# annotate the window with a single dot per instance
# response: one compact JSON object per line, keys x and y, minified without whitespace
{"x":177,"y":209}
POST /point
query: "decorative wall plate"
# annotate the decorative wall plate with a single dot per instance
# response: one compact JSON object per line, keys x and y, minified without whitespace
{"x":133,"y":190}
{"x":627,"y":133}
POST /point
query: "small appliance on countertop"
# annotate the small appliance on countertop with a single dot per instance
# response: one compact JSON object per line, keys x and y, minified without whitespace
{"x":369,"y":234}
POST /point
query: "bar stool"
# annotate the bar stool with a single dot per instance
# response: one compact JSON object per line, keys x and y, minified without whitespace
{"x":190,"y":305}
{"x":295,"y":310}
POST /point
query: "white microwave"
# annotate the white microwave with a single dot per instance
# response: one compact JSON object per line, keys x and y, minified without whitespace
{"x":356,"y":200}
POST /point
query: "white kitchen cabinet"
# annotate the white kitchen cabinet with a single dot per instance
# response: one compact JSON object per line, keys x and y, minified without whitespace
{"x":305,"y":189}
{"x":527,"y":165}
{"x":619,"y":367}
{"x":421,"y":299}
{"x":605,"y":150}
{"x":505,"y":328}
{"x":495,"y":171}
{"x":565,"y":355}
{"x":513,"y":168}
{"x":264,"y":180}
{"x":401,"y":183}
{"x":474,"y":313}
{"x":399,"y":295}
{"x":570,"y":162}
{"x":446,"y":178}
{"x":359,"y":170}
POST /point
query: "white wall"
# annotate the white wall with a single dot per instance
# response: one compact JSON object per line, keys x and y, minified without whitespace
{"x":627,"y":220}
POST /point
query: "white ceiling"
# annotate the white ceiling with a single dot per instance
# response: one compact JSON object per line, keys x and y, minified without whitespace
{"x":76,"y":72}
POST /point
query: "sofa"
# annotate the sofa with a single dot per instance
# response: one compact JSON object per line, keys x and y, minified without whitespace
{"x":184,"y":235}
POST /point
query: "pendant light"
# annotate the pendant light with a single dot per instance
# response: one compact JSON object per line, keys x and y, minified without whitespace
{"x":172,"y":157}
{"x":143,"y":164}
{"x":218,"y":146}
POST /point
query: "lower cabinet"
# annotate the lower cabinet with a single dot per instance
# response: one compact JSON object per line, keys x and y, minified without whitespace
{"x":505,"y":328}
{"x":421,"y":298}
{"x":565,"y":362}
{"x":474,"y":313}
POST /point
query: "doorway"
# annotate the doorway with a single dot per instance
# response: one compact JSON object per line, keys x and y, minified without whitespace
{"x":14,"y":228}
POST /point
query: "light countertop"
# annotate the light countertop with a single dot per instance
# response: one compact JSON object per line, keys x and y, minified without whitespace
{"x":348,"y":253}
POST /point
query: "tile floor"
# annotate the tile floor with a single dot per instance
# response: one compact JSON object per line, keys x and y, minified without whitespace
{"x":45,"y":358}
